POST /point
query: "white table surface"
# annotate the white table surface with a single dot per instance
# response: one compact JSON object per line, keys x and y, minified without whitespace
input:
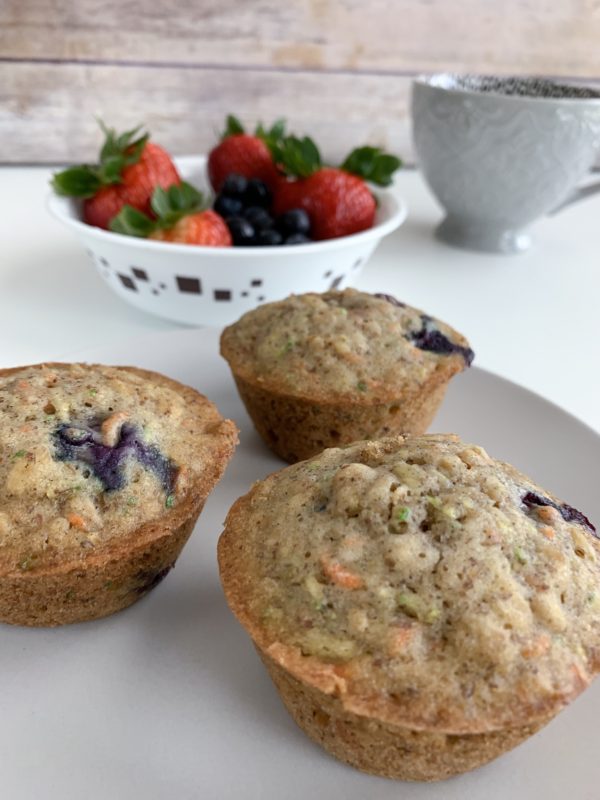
{"x":532,"y":318}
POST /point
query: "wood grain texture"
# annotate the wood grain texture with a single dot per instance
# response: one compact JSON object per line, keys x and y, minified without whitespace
{"x":337,"y":69}
{"x":47,"y":113}
{"x":525,"y":36}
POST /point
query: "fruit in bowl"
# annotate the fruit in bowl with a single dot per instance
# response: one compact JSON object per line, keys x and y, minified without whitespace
{"x":144,"y":251}
{"x":271,"y":189}
{"x":286,"y":176}
{"x":177,"y":215}
{"x":129,"y":168}
{"x":248,"y":155}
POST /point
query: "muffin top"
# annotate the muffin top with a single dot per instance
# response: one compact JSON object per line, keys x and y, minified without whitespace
{"x":88,"y":454}
{"x":343,"y":346}
{"x":421,"y":581}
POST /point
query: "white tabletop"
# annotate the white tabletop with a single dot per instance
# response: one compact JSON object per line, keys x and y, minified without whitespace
{"x":531,"y":318}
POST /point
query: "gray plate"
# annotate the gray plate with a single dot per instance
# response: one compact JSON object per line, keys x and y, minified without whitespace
{"x":168,"y":699}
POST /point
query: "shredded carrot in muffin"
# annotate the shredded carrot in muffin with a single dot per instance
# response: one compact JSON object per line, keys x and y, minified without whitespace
{"x":76,"y":521}
{"x":340,"y":575}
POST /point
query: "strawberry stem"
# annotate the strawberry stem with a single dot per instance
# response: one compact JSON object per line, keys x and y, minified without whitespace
{"x":82,"y":181}
{"x":132,"y":222}
{"x":296,"y":157}
{"x":273,"y":135}
{"x":170,"y":205}
{"x":233,"y":127}
{"x":372,"y":164}
{"x":117,"y":152}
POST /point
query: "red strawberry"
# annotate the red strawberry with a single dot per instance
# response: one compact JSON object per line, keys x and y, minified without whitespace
{"x":138,"y":181}
{"x":128,"y":171}
{"x":180,"y":217}
{"x":337,"y":200}
{"x":204,"y":227}
{"x":244,"y":154}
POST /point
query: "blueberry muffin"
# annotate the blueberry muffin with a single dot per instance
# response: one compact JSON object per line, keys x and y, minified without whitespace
{"x":319,"y":370}
{"x":420,"y":607}
{"x":103,"y":473}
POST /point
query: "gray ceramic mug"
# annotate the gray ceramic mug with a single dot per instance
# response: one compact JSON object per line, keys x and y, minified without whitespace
{"x":498,"y":153}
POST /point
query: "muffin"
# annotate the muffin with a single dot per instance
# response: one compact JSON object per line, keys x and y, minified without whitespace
{"x":320,"y":370}
{"x":103,"y":473}
{"x":420,"y":607}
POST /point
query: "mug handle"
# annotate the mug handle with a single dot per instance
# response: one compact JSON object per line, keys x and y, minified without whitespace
{"x":578,"y":194}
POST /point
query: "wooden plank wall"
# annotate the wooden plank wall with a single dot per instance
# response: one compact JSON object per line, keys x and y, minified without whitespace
{"x":338,"y":69}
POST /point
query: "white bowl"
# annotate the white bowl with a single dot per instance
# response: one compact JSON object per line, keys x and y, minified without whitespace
{"x":216,"y":285}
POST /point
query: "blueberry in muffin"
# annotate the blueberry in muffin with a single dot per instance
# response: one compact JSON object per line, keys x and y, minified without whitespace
{"x":421,"y":607}
{"x":103,"y":473}
{"x":319,"y":370}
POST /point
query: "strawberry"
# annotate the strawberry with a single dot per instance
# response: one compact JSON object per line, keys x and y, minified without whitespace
{"x":244,"y":154}
{"x":179,"y":216}
{"x":204,"y":227}
{"x":129,"y":169}
{"x":337,"y":200}
{"x":138,"y":181}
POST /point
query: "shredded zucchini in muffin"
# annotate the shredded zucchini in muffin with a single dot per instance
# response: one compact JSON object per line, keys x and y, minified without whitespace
{"x":423,"y":570}
{"x":87,"y":454}
{"x":341,"y":344}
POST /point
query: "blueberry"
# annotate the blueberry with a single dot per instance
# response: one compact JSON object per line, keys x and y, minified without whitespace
{"x":434,"y":341}
{"x":295,"y":220}
{"x":84,"y":444}
{"x":268,"y":237}
{"x":297,"y":238}
{"x":153,"y":460}
{"x":567,"y":512}
{"x":242,"y":232}
{"x":227,"y":206}
{"x":150,"y":580}
{"x":259,"y":218}
{"x":570,"y":514}
{"x":234,"y":185}
{"x":390,"y":299}
{"x":257,"y":193}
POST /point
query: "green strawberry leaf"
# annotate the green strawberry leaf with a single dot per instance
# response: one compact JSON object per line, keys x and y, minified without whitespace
{"x":132,"y":222}
{"x":133,"y":153}
{"x":385,"y":166}
{"x":172,"y":204}
{"x":111,"y":169}
{"x":297,"y":157}
{"x":232,"y":127}
{"x":82,"y":181}
{"x":117,"y":152}
{"x":273,"y":135}
{"x":185,"y":197}
{"x":125,"y":145}
{"x":372,"y":164}
{"x":128,"y":138}
{"x":277,"y":130}
{"x":160,"y":202}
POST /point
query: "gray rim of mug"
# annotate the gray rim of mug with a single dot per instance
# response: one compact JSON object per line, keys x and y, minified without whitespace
{"x":517,"y":88}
